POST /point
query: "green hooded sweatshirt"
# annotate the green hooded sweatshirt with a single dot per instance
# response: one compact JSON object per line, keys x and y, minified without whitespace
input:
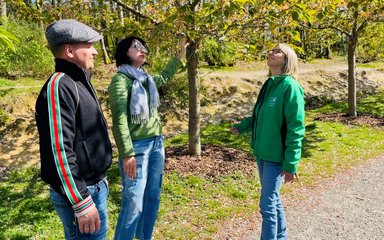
{"x":124,"y":131}
{"x":277,"y":122}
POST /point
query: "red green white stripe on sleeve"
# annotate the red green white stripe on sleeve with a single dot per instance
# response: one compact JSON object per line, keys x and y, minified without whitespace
{"x":83,"y":207}
{"x":56,"y":131}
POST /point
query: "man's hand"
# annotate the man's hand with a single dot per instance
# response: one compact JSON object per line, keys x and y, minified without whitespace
{"x":129,"y":164}
{"x":289,"y":177}
{"x":90,"y":222}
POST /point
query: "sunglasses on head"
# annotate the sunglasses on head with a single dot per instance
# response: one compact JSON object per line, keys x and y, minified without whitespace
{"x":139,"y":46}
{"x":276,"y":51}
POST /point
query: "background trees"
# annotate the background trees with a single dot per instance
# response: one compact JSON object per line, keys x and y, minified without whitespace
{"x":220,"y":32}
{"x":349,"y":18}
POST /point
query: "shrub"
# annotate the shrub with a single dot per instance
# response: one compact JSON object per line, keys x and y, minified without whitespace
{"x":219,"y":53}
{"x":371,"y":44}
{"x":31,"y":58}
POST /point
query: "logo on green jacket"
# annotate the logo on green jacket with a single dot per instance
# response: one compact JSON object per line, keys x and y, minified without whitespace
{"x":272,"y":102}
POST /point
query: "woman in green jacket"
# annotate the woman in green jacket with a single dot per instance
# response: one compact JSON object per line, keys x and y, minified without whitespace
{"x":277,"y":125}
{"x":134,"y":101}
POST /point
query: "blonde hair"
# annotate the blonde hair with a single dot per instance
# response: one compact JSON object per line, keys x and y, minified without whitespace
{"x":291,"y":61}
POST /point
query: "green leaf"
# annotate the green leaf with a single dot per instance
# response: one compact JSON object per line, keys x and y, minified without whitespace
{"x":296,"y":36}
{"x":352,"y":5}
{"x":298,"y":49}
{"x":172,"y":17}
{"x":251,"y":46}
{"x":300,"y":6}
{"x":295,"y":16}
{"x":5,"y":42}
{"x":7,"y":34}
{"x":188,"y":19}
{"x":7,"y":39}
{"x":279,"y":1}
{"x":309,"y":17}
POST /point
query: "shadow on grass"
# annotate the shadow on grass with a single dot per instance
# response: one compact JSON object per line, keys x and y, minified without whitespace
{"x":373,"y":105}
{"x":23,"y":202}
{"x":216,"y":135}
{"x":221,"y":135}
{"x":310,"y":139}
{"x":25,"y":207}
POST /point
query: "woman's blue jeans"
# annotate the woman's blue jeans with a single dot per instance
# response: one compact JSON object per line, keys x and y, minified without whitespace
{"x":99,"y":193}
{"x":141,"y":196}
{"x":274,"y":223}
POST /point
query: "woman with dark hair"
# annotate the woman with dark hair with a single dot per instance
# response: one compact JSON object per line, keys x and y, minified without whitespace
{"x":134,"y":100}
{"x":277,"y":126}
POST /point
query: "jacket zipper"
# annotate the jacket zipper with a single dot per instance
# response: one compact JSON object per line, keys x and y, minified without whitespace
{"x":98,"y":104}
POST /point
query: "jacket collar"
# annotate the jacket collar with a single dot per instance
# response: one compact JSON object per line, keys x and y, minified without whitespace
{"x":76,"y":73}
{"x":278,"y":78}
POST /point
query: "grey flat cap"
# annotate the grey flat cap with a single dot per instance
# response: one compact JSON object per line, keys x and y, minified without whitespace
{"x":70,"y":31}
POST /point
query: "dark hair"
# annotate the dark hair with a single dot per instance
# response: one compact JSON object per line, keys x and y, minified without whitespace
{"x":121,"y":56}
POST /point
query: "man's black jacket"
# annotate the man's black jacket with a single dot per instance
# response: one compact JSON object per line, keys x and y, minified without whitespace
{"x":75,"y":150}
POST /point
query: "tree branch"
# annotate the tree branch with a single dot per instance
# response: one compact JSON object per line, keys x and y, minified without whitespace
{"x":362,"y":26}
{"x":326,"y":27}
{"x":137,"y":13}
{"x":194,"y":4}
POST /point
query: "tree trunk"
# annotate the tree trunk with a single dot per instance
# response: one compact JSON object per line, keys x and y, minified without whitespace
{"x":3,"y":9}
{"x":121,"y":15}
{"x":328,"y":51}
{"x":352,"y":42}
{"x":106,"y":58}
{"x":194,"y":143}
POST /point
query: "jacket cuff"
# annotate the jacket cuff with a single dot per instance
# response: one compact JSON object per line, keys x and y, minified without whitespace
{"x":176,"y":61}
{"x":83,"y":207}
{"x":288,"y":167}
{"x":127,"y":153}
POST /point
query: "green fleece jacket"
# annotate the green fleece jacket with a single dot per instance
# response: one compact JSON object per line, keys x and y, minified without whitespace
{"x":277,"y":122}
{"x":124,"y":131}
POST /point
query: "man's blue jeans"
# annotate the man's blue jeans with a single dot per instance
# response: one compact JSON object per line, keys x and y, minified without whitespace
{"x":141,"y":196}
{"x":99,"y":193}
{"x":274,"y":223}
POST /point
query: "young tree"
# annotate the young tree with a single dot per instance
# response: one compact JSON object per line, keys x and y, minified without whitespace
{"x":196,"y":20}
{"x":350,"y":18}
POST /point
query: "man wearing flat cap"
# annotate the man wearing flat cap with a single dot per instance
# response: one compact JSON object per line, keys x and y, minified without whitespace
{"x":75,"y":150}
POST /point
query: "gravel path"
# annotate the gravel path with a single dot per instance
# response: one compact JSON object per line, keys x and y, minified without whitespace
{"x":351,"y":208}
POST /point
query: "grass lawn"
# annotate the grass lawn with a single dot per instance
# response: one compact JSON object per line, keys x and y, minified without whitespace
{"x":192,"y":206}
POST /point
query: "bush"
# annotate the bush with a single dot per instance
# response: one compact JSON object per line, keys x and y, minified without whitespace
{"x":217,"y":53}
{"x":31,"y":58}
